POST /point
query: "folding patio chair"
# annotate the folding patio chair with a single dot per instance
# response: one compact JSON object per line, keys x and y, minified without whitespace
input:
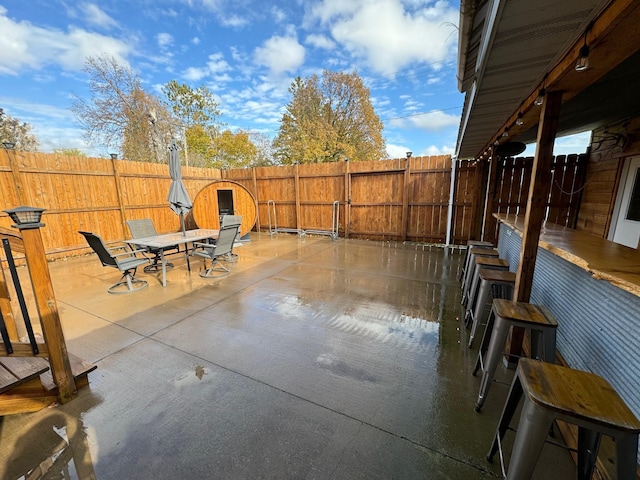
{"x":144,"y":228}
{"x":227,"y":221}
{"x":223,"y":247}
{"x":127,"y":262}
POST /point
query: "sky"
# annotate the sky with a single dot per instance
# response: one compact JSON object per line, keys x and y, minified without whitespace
{"x":247,"y":52}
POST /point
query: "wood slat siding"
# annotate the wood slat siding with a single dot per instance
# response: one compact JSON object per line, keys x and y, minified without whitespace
{"x":465,"y":193}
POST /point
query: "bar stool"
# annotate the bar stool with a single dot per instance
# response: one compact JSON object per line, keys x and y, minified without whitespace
{"x":538,"y":320}
{"x":493,"y":284}
{"x":473,"y":254}
{"x":553,"y":392}
{"x":470,"y":244}
{"x":492,"y":263}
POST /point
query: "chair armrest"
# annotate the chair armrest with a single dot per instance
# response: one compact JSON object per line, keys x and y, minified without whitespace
{"x":129,"y":252}
{"x":203,"y":245}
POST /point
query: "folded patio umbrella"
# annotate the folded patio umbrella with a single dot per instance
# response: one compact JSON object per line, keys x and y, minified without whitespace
{"x":178,"y":197}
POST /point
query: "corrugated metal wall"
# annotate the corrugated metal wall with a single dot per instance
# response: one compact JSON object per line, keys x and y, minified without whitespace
{"x":598,"y":323}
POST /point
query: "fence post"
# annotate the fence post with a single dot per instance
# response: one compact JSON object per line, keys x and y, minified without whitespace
{"x":48,"y":312}
{"x":17,"y":177}
{"x":116,"y":177}
{"x":405,"y":199}
{"x":255,"y":191}
{"x":297,"y":192}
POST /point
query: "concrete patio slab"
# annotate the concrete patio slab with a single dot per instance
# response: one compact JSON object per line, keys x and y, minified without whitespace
{"x":313,"y":359}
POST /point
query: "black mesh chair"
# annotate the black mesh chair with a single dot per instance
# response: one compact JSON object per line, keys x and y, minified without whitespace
{"x":127,"y":262}
{"x":216,"y":252}
{"x":144,"y":228}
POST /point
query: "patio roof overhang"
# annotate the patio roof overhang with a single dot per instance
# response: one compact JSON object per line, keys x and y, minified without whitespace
{"x":510,"y":49}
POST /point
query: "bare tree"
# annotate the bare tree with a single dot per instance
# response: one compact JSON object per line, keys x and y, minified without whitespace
{"x":120,"y":115}
{"x":19,"y":133}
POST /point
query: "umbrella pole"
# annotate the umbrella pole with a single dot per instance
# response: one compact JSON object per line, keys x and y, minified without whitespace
{"x":184,"y":230}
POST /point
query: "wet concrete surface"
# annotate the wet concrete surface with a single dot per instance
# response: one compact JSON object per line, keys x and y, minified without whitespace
{"x":313,"y":359}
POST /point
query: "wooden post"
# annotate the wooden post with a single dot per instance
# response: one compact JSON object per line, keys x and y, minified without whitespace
{"x":405,"y":199}
{"x":479,"y":201}
{"x":347,"y":199}
{"x":48,"y":312}
{"x":17,"y":177}
{"x":116,"y":177}
{"x":255,"y":190}
{"x":297,"y":192}
{"x":536,"y":206}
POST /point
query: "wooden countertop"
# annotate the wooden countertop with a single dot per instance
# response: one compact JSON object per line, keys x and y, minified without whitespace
{"x":603,"y":259}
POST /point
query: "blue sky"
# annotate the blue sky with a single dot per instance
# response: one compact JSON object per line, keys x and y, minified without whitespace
{"x":246,"y":52}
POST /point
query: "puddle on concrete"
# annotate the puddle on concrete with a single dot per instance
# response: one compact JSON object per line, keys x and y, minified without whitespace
{"x":193,"y":377}
{"x":332,"y":363}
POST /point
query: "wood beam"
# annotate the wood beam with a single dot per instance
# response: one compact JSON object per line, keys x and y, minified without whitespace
{"x":536,"y":207}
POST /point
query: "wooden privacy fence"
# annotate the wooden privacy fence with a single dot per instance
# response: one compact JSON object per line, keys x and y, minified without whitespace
{"x":511,"y":190}
{"x":399,"y":199}
{"x":90,"y":194}
{"x":395,"y":199}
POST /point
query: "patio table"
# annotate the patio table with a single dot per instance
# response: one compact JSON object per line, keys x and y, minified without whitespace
{"x":173,"y":240}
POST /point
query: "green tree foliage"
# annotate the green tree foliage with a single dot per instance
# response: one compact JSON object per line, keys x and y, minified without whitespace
{"x":69,"y":152}
{"x":196,"y":113}
{"x":233,"y":150}
{"x":328,"y":120}
{"x":19,"y":133}
{"x":120,"y":115}
{"x":191,"y":107}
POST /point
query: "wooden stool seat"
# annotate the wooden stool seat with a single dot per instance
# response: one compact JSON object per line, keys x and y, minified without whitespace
{"x":552,"y":392}
{"x":537,"y":319}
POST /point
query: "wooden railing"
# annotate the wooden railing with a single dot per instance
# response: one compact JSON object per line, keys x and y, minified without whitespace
{"x":28,"y":242}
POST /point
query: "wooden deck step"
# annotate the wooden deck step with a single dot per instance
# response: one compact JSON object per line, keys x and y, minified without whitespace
{"x":79,"y":368}
{"x":38,"y":391}
{"x":15,"y":371}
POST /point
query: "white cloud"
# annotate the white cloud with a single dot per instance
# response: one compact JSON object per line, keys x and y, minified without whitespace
{"x":397,"y":151}
{"x":576,"y":143}
{"x":320,"y":41}
{"x":434,"y":121}
{"x":278,"y":14}
{"x":216,"y":66}
{"x":280,"y":54}
{"x":235,"y":21}
{"x":96,"y":16}
{"x":164,"y":39}
{"x":387,"y":36}
{"x":433,"y":150}
{"x":25,"y":46}
{"x":195,"y":40}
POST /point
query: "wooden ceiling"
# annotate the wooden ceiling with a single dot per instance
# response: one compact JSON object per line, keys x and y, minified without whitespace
{"x":536,"y":44}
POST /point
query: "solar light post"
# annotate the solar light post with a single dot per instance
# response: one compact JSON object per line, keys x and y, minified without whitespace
{"x":27,"y":220}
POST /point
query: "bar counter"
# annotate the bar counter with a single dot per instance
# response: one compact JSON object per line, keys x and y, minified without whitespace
{"x":592,"y":287}
{"x":603,"y":259}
